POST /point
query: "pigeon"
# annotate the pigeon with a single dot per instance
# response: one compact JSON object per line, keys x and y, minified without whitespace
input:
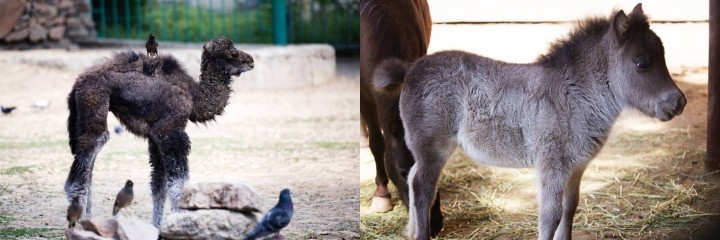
{"x":277,"y":218}
{"x":41,"y":104}
{"x":151,"y":45}
{"x":7,"y":110}
{"x":124,"y":197}
{"x":119,"y":129}
{"x":74,"y":211}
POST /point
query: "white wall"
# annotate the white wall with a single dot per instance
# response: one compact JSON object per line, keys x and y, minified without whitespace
{"x":560,"y":10}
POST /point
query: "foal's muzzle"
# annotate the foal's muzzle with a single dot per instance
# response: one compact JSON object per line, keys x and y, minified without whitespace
{"x":671,"y":105}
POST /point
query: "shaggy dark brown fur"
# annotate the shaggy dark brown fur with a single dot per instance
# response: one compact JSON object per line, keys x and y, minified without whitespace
{"x":401,"y":30}
{"x":154,"y":98}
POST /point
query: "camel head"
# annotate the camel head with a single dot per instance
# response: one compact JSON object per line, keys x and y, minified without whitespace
{"x":222,"y":52}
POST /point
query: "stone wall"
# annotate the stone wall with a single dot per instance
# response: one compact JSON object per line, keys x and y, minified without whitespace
{"x":45,"y":21}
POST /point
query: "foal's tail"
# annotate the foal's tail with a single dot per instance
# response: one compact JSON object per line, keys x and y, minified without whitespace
{"x":389,"y":76}
{"x":72,"y":122}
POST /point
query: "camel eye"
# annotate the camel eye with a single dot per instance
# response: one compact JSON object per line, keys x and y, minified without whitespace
{"x":642,"y":63}
{"x":235,"y":55}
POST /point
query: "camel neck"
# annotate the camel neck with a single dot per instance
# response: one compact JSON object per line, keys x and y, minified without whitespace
{"x":211,"y":94}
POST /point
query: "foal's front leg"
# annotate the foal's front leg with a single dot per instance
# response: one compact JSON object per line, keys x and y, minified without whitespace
{"x":552,"y":175}
{"x":571,"y":197}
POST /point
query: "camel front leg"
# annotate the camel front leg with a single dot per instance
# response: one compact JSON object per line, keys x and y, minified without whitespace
{"x":173,"y":144}
{"x":175,"y":147}
{"x":158,"y":182}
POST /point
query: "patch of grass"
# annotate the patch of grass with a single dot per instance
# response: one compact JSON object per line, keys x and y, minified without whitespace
{"x":212,"y":145}
{"x":4,"y":189}
{"x":337,"y":145}
{"x":4,"y":218}
{"x":16,"y":170}
{"x":24,"y":232}
{"x":32,"y":144}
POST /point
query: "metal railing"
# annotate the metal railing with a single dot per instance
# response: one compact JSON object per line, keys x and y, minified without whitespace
{"x":334,"y":22}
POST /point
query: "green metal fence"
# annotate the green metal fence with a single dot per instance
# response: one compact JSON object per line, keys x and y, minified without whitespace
{"x":335,"y":22}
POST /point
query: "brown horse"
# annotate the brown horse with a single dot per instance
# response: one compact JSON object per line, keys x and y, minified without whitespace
{"x":553,"y":115}
{"x":389,"y":29}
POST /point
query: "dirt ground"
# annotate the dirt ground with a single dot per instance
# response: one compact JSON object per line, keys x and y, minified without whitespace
{"x":302,"y":138}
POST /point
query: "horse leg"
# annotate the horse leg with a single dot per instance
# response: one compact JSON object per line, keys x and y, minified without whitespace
{"x":571,"y":198}
{"x":552,"y":175}
{"x":158,"y":182}
{"x":174,"y":146}
{"x":90,"y":126}
{"x":381,"y":201}
{"x":422,"y":185}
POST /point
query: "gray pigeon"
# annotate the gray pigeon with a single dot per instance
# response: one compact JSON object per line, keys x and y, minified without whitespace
{"x":277,"y":218}
{"x":7,"y":110}
{"x":119,"y":129}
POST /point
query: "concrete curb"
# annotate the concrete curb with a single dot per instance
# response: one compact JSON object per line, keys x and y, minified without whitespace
{"x":275,"y":66}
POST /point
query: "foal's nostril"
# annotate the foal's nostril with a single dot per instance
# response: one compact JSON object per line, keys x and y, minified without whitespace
{"x":675,"y":102}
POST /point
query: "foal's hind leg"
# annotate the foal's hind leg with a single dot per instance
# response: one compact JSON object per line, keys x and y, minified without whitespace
{"x":91,"y":126}
{"x":398,"y":168}
{"x":571,"y":196}
{"x":430,"y":158}
{"x":158,"y":182}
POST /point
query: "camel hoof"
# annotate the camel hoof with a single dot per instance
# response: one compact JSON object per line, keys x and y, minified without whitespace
{"x":381,"y":205}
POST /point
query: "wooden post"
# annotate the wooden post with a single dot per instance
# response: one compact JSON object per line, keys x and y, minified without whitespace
{"x":713,"y":121}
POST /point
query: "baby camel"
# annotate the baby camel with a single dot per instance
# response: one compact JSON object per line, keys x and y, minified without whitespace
{"x":154,"y":98}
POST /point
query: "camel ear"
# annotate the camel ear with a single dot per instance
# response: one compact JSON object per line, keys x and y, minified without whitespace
{"x":619,"y":25}
{"x":209,"y":46}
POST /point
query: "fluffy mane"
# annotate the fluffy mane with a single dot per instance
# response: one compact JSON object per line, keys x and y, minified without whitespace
{"x":566,"y":50}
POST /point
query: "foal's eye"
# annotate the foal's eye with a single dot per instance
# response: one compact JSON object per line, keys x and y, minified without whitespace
{"x":642,"y":63}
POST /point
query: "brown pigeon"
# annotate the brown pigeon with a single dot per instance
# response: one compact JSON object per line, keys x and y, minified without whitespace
{"x":151,"y":45}
{"x":124,"y":197}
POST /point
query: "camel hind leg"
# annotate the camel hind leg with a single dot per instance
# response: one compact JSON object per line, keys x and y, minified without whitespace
{"x":88,"y":134}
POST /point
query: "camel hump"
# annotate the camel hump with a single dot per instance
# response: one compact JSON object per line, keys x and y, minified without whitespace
{"x":162,"y":64}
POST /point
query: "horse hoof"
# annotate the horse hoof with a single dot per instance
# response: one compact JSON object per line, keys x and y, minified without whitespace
{"x":381,"y":205}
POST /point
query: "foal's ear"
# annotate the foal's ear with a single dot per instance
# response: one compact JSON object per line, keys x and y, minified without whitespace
{"x":620,"y":25}
{"x":637,"y":10}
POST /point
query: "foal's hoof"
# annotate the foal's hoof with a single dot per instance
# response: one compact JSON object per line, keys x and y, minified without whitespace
{"x":381,"y":204}
{"x":436,"y":224}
